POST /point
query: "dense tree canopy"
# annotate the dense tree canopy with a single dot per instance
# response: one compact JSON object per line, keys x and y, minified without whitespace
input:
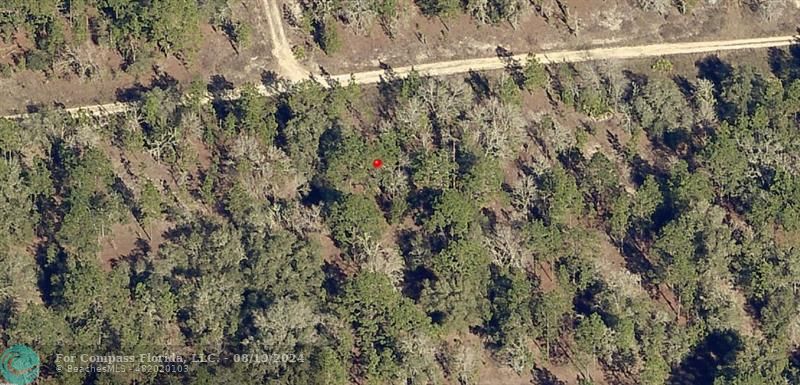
{"x":644,"y":229}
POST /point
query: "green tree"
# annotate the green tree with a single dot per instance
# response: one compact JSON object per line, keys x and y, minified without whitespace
{"x":256,"y":115}
{"x":661,"y":108}
{"x":454,"y":214}
{"x":149,"y":203}
{"x":536,"y":75}
{"x":355,"y":216}
{"x":591,"y":336}
{"x":328,"y":368}
{"x":380,"y":318}
{"x":562,"y":199}
{"x":457,"y":296}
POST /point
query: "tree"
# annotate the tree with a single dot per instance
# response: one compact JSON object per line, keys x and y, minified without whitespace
{"x":17,"y":214}
{"x":307,"y":122}
{"x":354,"y":216}
{"x":592,"y":336}
{"x":380,"y":317}
{"x":327,"y":36}
{"x":454,"y":214}
{"x":535,"y":74}
{"x":149,"y":203}
{"x":497,"y":128}
{"x":688,"y":189}
{"x":328,"y":368}
{"x":203,"y":263}
{"x":661,"y":108}
{"x":255,"y":115}
{"x":285,"y":327}
{"x":562,"y":198}
{"x":620,"y":217}
{"x":549,"y":311}
{"x":439,"y":7}
{"x":457,"y":297}
{"x":433,"y":170}
{"x":647,"y":199}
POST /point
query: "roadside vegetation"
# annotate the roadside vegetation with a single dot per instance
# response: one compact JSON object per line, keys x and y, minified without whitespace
{"x":140,"y":31}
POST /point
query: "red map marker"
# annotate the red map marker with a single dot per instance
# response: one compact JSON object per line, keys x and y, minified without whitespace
{"x":377,"y":163}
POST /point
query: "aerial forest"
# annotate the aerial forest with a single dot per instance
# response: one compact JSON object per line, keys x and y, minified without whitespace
{"x":633,"y":226}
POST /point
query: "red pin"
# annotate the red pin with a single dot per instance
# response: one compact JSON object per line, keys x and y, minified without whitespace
{"x":377,"y":163}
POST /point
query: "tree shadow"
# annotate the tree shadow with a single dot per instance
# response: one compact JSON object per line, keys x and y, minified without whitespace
{"x":127,"y":196}
{"x":163,"y":80}
{"x":684,"y":85}
{"x":131,"y":94}
{"x":334,"y":279}
{"x":714,"y":69}
{"x":703,"y":364}
{"x":416,"y":280}
{"x":479,"y":84}
{"x":512,"y":65}
{"x":640,"y":169}
{"x":636,"y":79}
{"x":785,"y":64}
{"x":635,"y":260}
{"x":219,"y":84}
{"x":542,"y":376}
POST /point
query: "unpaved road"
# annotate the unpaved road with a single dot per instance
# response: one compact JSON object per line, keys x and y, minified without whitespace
{"x":611,"y":53}
{"x":290,"y":69}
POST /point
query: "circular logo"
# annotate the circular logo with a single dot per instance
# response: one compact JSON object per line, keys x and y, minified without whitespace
{"x":19,"y":365}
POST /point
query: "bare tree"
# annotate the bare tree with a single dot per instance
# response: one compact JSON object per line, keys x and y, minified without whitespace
{"x":462,"y":361}
{"x":267,"y":173}
{"x":376,"y":257}
{"x":517,"y":355}
{"x":659,"y":6}
{"x":768,"y":9}
{"x":293,"y":13}
{"x":497,"y":127}
{"x":418,"y":360}
{"x":411,"y":118}
{"x":359,"y":14}
{"x":506,"y":247}
{"x":445,"y":99}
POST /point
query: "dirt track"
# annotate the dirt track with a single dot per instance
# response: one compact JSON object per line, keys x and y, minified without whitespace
{"x":290,"y":69}
{"x":288,"y":66}
{"x":612,"y":53}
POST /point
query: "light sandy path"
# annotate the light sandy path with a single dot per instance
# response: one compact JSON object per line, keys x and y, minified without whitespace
{"x":611,"y":53}
{"x":292,"y":70}
{"x":288,"y":67}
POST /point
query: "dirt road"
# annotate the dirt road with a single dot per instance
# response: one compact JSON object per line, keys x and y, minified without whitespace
{"x":290,"y":69}
{"x":611,"y":53}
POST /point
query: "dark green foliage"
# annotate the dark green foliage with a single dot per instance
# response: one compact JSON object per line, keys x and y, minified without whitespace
{"x":382,"y":319}
{"x":136,"y":29}
{"x":439,"y":7}
{"x":562,"y":198}
{"x":149,"y":203}
{"x":356,"y":216}
{"x":453,"y":215}
{"x":326,"y":35}
{"x":535,"y":74}
{"x":457,"y":297}
{"x":661,"y":108}
{"x":256,"y":115}
{"x":434,"y":170}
